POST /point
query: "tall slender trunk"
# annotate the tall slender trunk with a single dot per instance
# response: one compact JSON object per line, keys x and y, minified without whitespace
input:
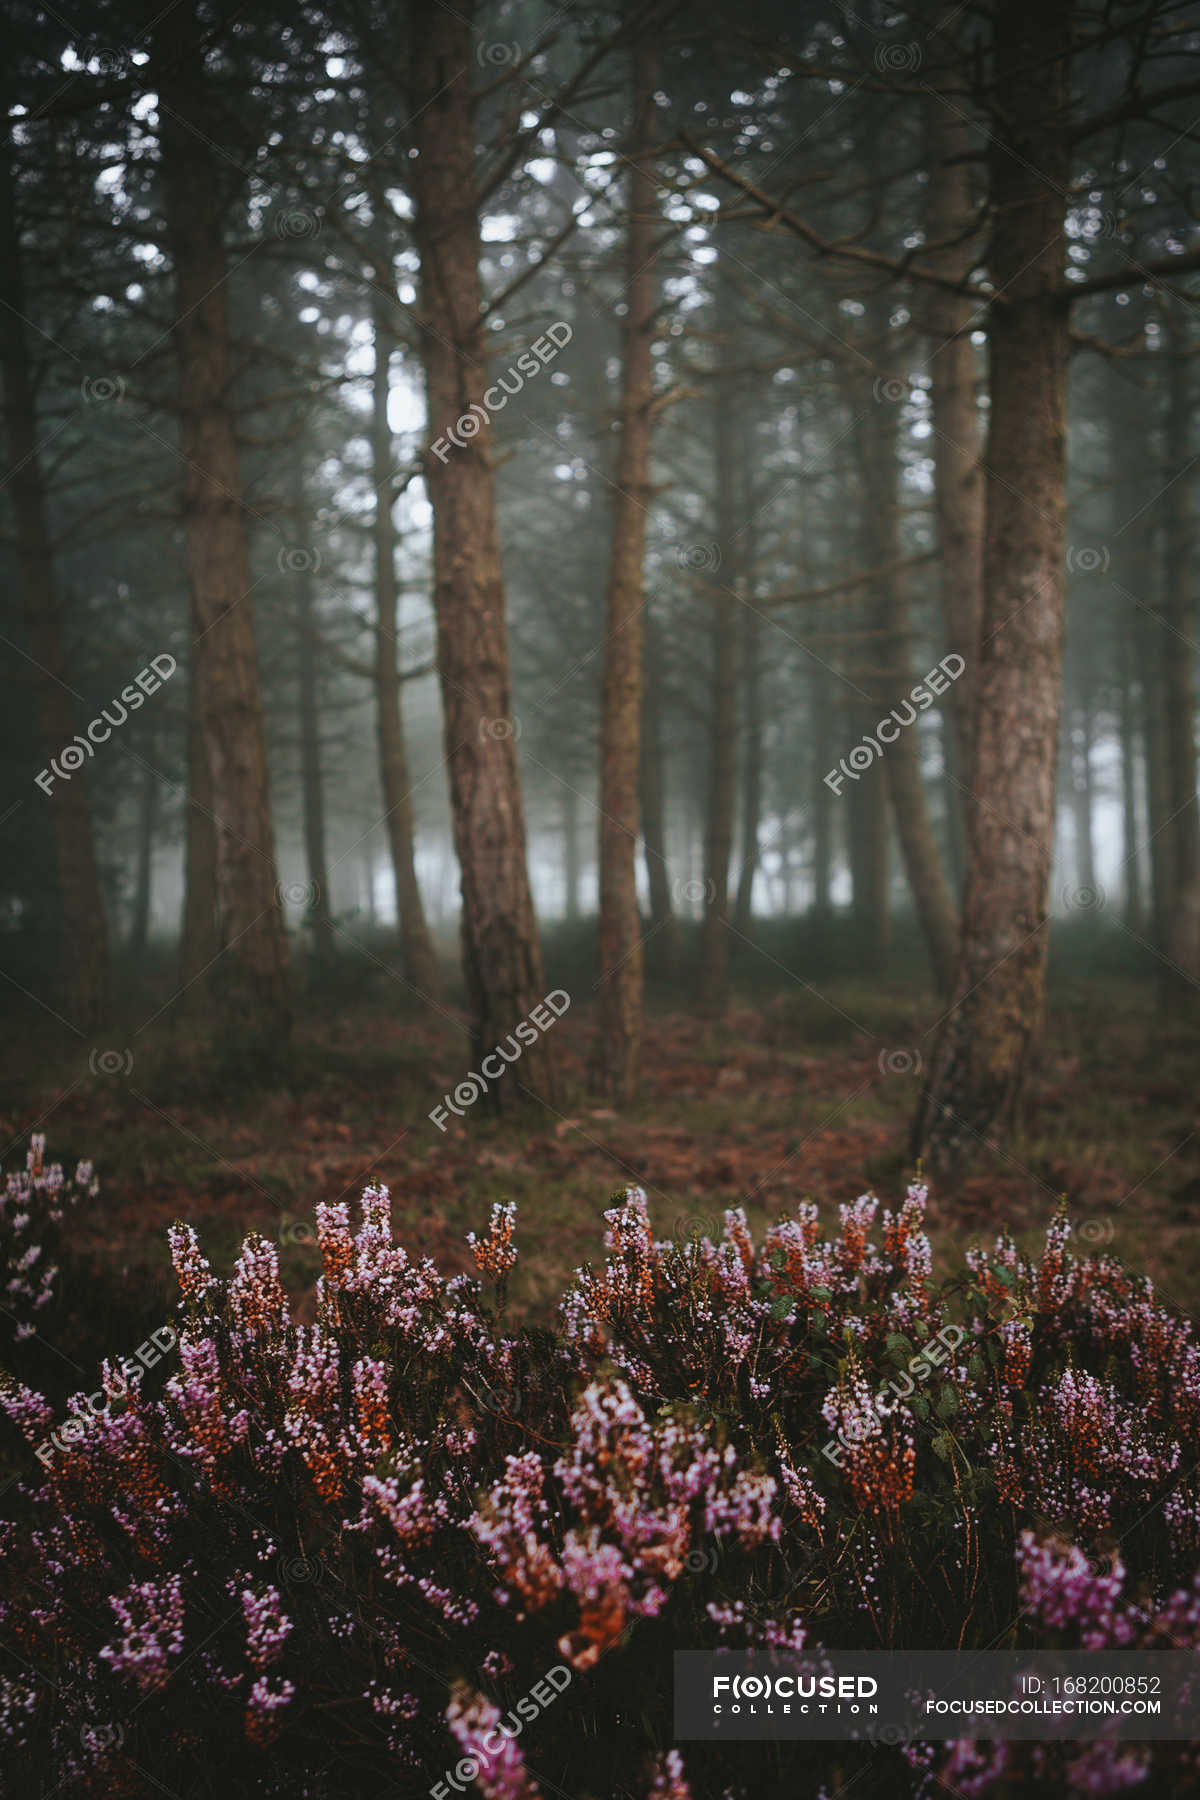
{"x":867,"y":798}
{"x":200,"y":943}
{"x":919,"y":848}
{"x":143,"y":868}
{"x":663,"y":953}
{"x":420,"y":959}
{"x":822,"y":710}
{"x":620,"y":948}
{"x":752,"y":766}
{"x":312,"y":782}
{"x":571,"y":865}
{"x":1083,"y":805}
{"x":981,"y":1055}
{"x":502,"y":959}
{"x":1131,"y":856}
{"x":957,"y":434}
{"x":252,"y":970}
{"x":723,"y":705}
{"x":1179,"y":681}
{"x":84,"y":955}
{"x":1158,"y":809}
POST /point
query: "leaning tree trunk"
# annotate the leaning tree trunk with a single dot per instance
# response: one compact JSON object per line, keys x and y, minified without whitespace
{"x":253,"y":962}
{"x":982,"y":1051}
{"x":420,"y":959}
{"x":502,"y":962}
{"x":84,"y":939}
{"x":723,"y":702}
{"x":1182,"y":972}
{"x":620,"y":947}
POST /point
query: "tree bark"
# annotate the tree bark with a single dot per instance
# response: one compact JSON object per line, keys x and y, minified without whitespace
{"x":932,"y":899}
{"x":823,"y":712}
{"x":664,"y":952}
{"x":253,"y":965}
{"x":1131,"y":856}
{"x":200,"y":944}
{"x":982,"y":1051}
{"x":620,"y":946}
{"x":723,"y":705}
{"x":143,"y":874}
{"x":420,"y":958}
{"x":1082,"y":806}
{"x":84,"y":955}
{"x":1179,"y":684}
{"x":957,"y":434}
{"x":502,"y":962}
{"x":312,"y":782}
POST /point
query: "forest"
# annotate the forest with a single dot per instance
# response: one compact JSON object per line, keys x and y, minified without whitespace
{"x":599,"y":886}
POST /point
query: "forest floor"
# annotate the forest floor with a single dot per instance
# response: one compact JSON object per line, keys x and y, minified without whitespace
{"x":794,"y":1094}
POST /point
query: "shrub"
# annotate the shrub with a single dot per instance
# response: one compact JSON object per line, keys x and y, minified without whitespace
{"x":333,"y":1557}
{"x":32,"y":1204}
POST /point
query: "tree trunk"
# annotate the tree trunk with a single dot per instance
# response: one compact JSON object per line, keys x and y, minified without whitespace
{"x":84,"y":939}
{"x":821,"y":706}
{"x":502,"y":961}
{"x":664,"y":937}
{"x":201,"y":941}
{"x":620,"y":948}
{"x":957,"y":436}
{"x":1082,"y":808}
{"x":751,"y":767}
{"x":723,"y":722}
{"x":420,"y":959}
{"x":571,"y":868}
{"x":312,"y":782}
{"x":981,"y":1054}
{"x":143,"y":877}
{"x":1131,"y":857}
{"x":253,"y":965}
{"x":1179,"y":683}
{"x":919,"y":848}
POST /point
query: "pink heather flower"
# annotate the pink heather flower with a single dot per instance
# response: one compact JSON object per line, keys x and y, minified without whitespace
{"x":670,"y":1782}
{"x":489,"y":1747}
{"x":267,"y":1626}
{"x":151,"y":1615}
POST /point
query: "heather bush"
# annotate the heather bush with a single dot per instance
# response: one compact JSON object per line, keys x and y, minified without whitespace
{"x":32,"y":1205}
{"x":331,"y":1556}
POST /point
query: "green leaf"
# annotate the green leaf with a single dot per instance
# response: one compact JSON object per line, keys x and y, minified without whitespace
{"x":821,"y":1293}
{"x":941,"y":1447}
{"x":898,"y":1346}
{"x":947,"y":1404}
{"x":921,"y":1406}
